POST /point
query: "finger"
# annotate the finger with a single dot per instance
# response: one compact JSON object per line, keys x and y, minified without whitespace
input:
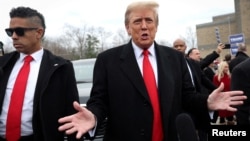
{"x":79,"y":135}
{"x":77,"y":106}
{"x":66,"y":126}
{"x":65,"y":119}
{"x":235,"y":93}
{"x":222,"y":45}
{"x":231,"y":109}
{"x":236,"y":103}
{"x":71,"y":131}
{"x":220,"y":88}
{"x":238,"y":98}
{"x":84,"y":110}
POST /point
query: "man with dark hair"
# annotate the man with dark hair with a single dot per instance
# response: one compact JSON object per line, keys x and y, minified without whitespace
{"x":37,"y":87}
{"x":194,"y":53}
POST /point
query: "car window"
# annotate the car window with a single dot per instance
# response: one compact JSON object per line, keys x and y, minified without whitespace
{"x":83,"y":70}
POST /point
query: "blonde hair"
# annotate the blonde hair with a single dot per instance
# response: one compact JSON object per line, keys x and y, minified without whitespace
{"x":141,"y":5}
{"x":220,"y":71}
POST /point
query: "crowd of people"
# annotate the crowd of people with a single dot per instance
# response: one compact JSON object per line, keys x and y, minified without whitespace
{"x":219,"y":71}
{"x":209,"y":72}
{"x":140,"y":87}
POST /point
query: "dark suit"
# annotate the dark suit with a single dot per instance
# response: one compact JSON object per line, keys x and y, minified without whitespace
{"x":203,"y":86}
{"x":208,"y":59}
{"x":120,"y":94}
{"x":208,"y":71}
{"x":239,"y":57}
{"x":241,"y":81}
{"x":54,"y":94}
{"x":202,"y":83}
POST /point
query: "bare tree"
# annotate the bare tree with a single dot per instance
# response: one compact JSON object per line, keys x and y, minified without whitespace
{"x":191,"y":38}
{"x":103,"y":36}
{"x":121,"y":37}
{"x":76,"y":37}
{"x":164,"y":42}
{"x":55,"y":46}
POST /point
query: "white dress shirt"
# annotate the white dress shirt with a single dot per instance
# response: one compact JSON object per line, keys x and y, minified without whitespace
{"x":27,"y":111}
{"x":152,"y":58}
{"x":139,"y":58}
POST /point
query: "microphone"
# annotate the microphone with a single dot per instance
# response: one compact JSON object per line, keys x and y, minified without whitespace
{"x":185,"y":128}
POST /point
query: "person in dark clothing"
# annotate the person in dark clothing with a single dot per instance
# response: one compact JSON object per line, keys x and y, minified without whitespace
{"x":240,"y":80}
{"x":119,"y":92}
{"x":51,"y":86}
{"x":209,"y":71}
{"x":194,"y":53}
{"x":200,"y":81}
{"x":240,"y":56}
{"x":196,"y":65}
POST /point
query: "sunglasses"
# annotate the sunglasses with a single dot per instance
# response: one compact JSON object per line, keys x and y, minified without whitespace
{"x":19,"y":31}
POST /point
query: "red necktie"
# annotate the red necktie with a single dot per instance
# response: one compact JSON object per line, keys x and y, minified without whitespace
{"x":13,"y":125}
{"x":149,"y":79}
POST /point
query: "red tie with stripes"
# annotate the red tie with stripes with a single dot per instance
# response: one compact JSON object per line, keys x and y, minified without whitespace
{"x":149,"y":79}
{"x":13,"y":125}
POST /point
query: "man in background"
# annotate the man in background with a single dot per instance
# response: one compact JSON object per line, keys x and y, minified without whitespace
{"x":200,"y":81}
{"x":194,"y":53}
{"x":240,"y":56}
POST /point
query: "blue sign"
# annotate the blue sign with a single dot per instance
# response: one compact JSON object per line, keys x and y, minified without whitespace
{"x":234,"y":40}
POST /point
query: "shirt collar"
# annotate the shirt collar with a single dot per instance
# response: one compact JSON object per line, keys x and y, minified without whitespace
{"x":37,"y":56}
{"x":138,"y":51}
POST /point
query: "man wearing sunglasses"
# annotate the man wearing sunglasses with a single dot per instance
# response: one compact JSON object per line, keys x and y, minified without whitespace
{"x":51,"y":85}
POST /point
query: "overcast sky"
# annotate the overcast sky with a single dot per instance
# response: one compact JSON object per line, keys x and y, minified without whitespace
{"x":175,"y":15}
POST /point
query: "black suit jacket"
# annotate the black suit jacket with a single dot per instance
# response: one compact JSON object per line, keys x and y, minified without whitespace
{"x":203,"y":86}
{"x":119,"y":93}
{"x":202,"y":83}
{"x":208,"y":59}
{"x":241,"y":81}
{"x":239,"y":57}
{"x":208,"y":71}
{"x":54,"y":94}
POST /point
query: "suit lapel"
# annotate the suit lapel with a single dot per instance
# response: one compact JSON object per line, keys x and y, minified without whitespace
{"x":46,"y":69}
{"x":8,"y":64}
{"x":131,"y":69}
{"x":166,"y":79}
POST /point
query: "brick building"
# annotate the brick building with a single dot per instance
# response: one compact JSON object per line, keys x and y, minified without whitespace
{"x":227,"y":24}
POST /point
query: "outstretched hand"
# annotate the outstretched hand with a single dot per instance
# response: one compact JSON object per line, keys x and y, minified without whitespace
{"x":219,"y":100}
{"x":81,"y":122}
